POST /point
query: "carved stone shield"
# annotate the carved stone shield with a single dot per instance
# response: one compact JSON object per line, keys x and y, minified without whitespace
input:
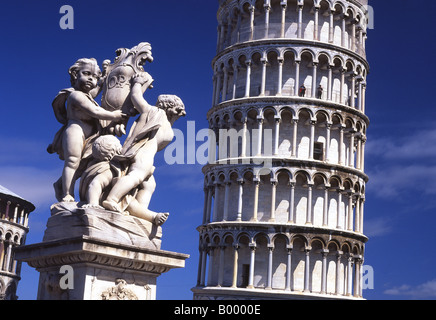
{"x":118,"y":76}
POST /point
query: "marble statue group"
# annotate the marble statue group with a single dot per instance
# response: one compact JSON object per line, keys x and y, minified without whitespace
{"x":113,"y":176}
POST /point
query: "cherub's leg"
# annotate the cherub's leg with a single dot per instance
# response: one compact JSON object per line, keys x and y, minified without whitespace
{"x":144,"y":195}
{"x":140,"y":169}
{"x":123,"y":186}
{"x":137,"y":210}
{"x":95,"y":190}
{"x":73,"y":143}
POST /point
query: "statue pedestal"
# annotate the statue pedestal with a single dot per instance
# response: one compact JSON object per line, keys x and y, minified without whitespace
{"x":105,"y":262}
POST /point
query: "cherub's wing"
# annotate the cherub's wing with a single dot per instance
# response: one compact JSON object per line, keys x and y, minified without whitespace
{"x":59,"y":105}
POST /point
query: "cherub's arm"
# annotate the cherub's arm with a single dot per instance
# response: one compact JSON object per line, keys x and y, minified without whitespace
{"x":79,"y":100}
{"x":140,"y":84}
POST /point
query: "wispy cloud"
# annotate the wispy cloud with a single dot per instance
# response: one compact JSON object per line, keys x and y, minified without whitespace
{"x":419,"y":146}
{"x":32,"y":184}
{"x":395,"y":179}
{"x":403,"y":165}
{"x":378,"y":227}
{"x":426,"y":290}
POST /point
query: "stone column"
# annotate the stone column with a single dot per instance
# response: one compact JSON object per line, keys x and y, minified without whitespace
{"x":351,"y":155}
{"x":316,"y":23}
{"x":240,"y":193}
{"x":256,"y":182}
{"x":309,"y":205}
{"x":338,"y":226}
{"x":341,"y":145}
{"x":353,"y":91}
{"x":8,"y":204}
{"x":218,"y":88}
{"x":235,"y":79}
{"x":221,"y":266}
{"x":288,"y":269}
{"x":264,"y":62}
{"x":297,"y":77}
{"x":216,"y":203}
{"x":284,"y":5}
{"x":259,"y":140}
{"x":200,"y":265}
{"x":280,"y":61}
{"x":267,"y":8}
{"x":8,"y":256}
{"x":300,"y":21}
{"x":327,"y":141}
{"x":251,"y":9}
{"x":315,"y":68}
{"x":349,"y":275}
{"x":341,"y":90}
{"x":235,"y":266}
{"x":211,"y":264}
{"x":353,"y":35}
{"x":226,"y":200}
{"x":307,"y":270}
{"x":343,"y":17}
{"x":350,"y":211}
{"x":248,"y":78}
{"x":291,"y":218}
{"x":238,"y":27}
{"x":312,"y":138}
{"x":324,"y":253}
{"x":357,"y":214}
{"x":270,"y":265}
{"x":252,"y":260}
{"x":209,"y":203}
{"x":331,"y":25}
{"x":244,"y":137}
{"x":330,"y":83}
{"x":273,"y":200}
{"x":294,"y":138}
{"x":2,"y":250}
{"x":325,"y":218}
{"x":225,"y":85}
{"x":338,"y":272}
{"x":359,"y":151}
{"x":277,"y":120}
{"x":359,"y":95}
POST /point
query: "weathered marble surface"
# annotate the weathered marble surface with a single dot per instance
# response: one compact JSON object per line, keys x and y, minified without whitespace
{"x":69,"y":221}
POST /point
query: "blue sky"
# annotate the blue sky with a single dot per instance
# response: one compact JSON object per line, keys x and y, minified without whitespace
{"x":401,"y":195}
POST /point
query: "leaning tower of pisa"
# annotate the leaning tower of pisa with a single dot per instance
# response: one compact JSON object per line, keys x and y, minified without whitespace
{"x":14,"y":217}
{"x":284,"y":201}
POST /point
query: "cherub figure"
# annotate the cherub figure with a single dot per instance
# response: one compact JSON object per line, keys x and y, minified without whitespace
{"x":79,"y":113}
{"x":151,"y":133}
{"x":100,"y":172}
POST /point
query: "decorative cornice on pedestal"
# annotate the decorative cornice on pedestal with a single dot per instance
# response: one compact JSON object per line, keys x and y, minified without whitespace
{"x":89,"y":250}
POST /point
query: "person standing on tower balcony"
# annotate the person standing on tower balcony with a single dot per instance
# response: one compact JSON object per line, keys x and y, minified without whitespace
{"x":302,"y":91}
{"x":319,"y":92}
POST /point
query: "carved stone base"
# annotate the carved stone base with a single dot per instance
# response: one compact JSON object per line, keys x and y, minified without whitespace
{"x":92,"y":254}
{"x":69,"y":221}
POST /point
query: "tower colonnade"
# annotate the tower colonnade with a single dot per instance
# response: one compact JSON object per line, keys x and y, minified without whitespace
{"x":278,"y":70}
{"x":335,"y":22}
{"x":14,"y":220}
{"x":284,"y":194}
{"x":278,"y":263}
{"x":295,"y":131}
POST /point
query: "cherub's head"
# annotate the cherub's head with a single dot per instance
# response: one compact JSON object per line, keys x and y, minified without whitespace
{"x":84,"y":74}
{"x":172,"y":105}
{"x":106,"y":147}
